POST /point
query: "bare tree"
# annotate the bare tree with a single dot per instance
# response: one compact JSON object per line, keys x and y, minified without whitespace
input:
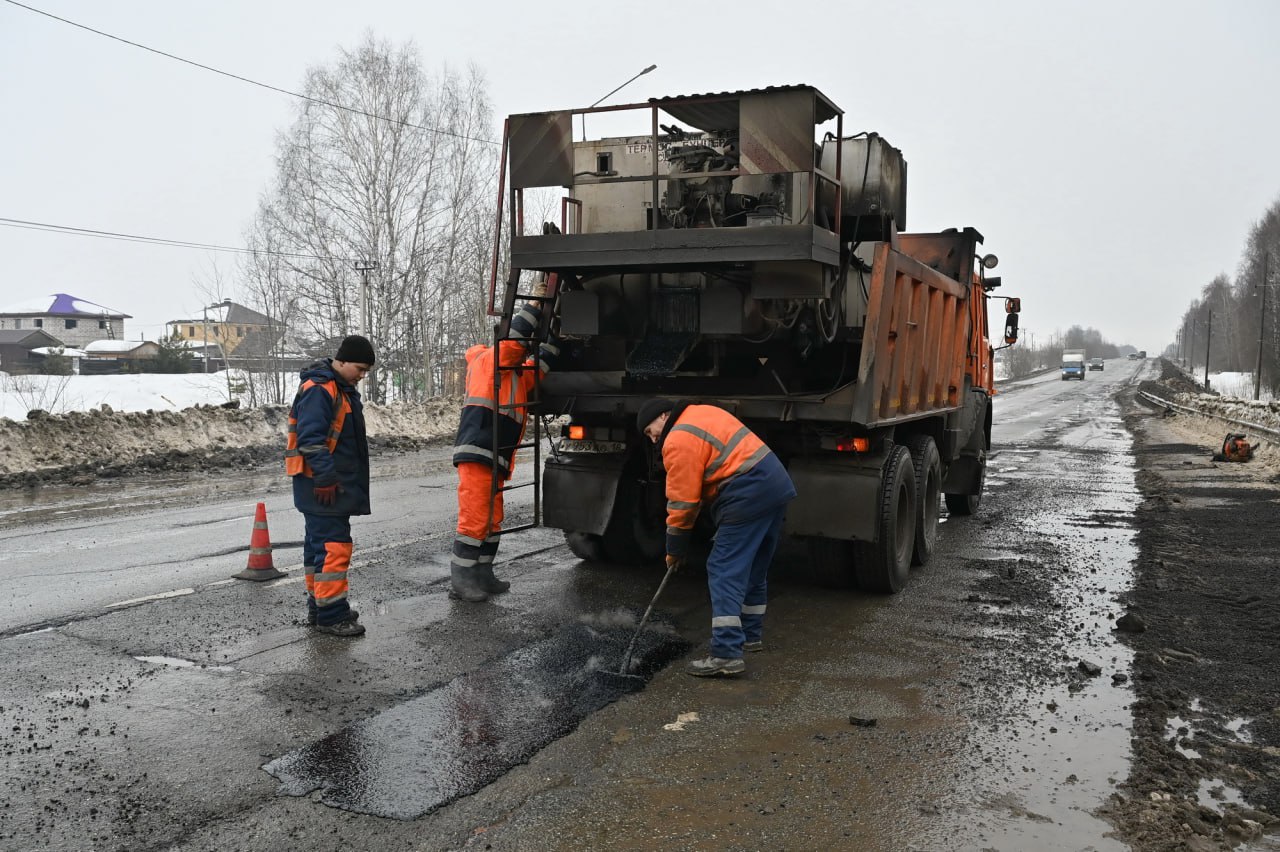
{"x":375,"y":185}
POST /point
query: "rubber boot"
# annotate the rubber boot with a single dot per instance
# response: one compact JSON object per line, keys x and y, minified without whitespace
{"x":491,"y":584}
{"x":468,"y":584}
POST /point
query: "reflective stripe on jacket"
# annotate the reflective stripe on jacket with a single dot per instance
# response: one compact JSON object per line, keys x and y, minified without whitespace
{"x":474,"y":442}
{"x":706,"y":451}
{"x":295,"y":457}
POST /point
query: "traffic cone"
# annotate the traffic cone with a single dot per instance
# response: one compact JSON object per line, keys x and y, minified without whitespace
{"x":260,"y":565}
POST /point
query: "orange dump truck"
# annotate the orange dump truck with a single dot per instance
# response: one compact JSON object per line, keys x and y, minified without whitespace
{"x":740,"y":250}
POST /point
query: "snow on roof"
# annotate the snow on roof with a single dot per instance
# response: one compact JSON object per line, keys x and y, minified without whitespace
{"x":105,"y":346}
{"x":62,"y":304}
{"x":60,"y":350}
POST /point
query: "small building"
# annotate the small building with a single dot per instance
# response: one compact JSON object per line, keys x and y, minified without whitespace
{"x":227,"y":324}
{"x":17,"y":346}
{"x":44,"y":353}
{"x":117,"y":356}
{"x":73,"y":320}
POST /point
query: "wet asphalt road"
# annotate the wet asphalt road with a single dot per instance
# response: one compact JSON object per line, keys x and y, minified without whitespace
{"x":144,"y":692}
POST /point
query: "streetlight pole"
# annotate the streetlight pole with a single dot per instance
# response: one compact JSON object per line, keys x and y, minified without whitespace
{"x":364,"y":267}
{"x":225,"y":303}
{"x":1262,"y":324}
{"x":614,"y":92}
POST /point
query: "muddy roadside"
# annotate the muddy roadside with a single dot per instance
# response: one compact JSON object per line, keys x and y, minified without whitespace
{"x":1203,"y":620}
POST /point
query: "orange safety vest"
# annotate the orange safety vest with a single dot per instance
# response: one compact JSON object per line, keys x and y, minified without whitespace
{"x":294,"y":461}
{"x":475,"y":428}
{"x":705,"y":448}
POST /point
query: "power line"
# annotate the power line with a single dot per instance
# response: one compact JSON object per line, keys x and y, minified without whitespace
{"x":238,"y":77}
{"x":159,"y":241}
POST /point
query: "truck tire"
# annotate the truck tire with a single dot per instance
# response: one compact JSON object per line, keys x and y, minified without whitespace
{"x":928,"y":466}
{"x":967,"y":504}
{"x":635,"y":535}
{"x":884,"y":565}
{"x":586,"y":546}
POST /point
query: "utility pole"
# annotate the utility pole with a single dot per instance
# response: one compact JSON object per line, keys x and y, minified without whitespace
{"x":1262,"y":324}
{"x":364,"y":267}
{"x":1208,"y":338}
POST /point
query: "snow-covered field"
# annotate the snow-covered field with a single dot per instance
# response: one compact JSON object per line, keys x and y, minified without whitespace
{"x":145,"y":392}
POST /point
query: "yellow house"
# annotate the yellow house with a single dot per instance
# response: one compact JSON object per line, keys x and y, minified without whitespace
{"x":225,"y":324}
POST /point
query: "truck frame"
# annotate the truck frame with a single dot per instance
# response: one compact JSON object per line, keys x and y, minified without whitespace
{"x":744,"y":252}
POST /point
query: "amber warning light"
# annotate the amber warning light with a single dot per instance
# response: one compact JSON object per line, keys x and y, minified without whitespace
{"x":853,"y":445}
{"x":577,"y":433}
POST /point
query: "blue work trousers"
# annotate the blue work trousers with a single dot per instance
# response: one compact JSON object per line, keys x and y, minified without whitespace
{"x":326,"y":556}
{"x":738,"y":575}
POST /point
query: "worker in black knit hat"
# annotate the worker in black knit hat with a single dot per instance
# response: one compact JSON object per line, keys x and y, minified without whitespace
{"x":328,"y":457}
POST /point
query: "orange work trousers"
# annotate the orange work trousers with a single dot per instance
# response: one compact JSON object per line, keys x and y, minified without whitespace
{"x":474,"y":520}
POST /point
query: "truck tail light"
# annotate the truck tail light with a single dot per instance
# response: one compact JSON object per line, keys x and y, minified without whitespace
{"x":853,"y":445}
{"x":577,"y":432}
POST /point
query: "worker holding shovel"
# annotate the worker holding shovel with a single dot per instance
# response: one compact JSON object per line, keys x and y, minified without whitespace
{"x":714,"y":461}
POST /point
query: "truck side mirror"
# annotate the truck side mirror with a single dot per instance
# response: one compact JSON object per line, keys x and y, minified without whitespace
{"x":1012,"y":305}
{"x":1011,"y":329}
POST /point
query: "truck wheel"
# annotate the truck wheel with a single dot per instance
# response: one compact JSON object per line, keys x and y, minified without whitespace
{"x":928,"y":465}
{"x":635,"y":533}
{"x":883,"y":565}
{"x":587,"y":546}
{"x":967,"y":504}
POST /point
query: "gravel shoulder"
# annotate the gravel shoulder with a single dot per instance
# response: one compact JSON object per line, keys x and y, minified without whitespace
{"x":1206,"y":606}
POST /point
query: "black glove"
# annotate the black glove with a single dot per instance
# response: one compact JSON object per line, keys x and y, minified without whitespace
{"x":674,"y":563}
{"x":325,"y":494}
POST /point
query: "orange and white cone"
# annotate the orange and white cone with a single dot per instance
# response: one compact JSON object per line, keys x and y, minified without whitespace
{"x":260,"y":565}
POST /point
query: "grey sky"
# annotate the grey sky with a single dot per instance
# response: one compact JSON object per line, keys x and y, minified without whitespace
{"x":1114,"y":154}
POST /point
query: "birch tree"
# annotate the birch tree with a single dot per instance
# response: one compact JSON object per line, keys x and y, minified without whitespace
{"x":403,"y":176}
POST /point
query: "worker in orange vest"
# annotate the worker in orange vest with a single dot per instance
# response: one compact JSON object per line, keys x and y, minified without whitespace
{"x":715,"y":463}
{"x":479,"y":518}
{"x":327,"y":455}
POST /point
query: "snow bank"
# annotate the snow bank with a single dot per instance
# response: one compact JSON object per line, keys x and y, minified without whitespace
{"x":104,"y":441}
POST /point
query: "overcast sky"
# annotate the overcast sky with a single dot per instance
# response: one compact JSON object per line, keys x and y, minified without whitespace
{"x":1114,"y":154}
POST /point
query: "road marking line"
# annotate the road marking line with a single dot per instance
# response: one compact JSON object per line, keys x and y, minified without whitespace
{"x":176,"y":593}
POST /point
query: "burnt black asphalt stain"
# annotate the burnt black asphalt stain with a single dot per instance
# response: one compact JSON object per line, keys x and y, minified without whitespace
{"x":425,"y":753}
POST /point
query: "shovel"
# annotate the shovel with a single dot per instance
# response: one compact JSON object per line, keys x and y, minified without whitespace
{"x":622,"y":677}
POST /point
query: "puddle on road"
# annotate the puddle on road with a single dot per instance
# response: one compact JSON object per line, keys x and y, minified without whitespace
{"x":458,"y":738}
{"x":1063,"y":746}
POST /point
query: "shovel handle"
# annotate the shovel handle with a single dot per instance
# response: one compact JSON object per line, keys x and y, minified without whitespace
{"x":626,"y":661}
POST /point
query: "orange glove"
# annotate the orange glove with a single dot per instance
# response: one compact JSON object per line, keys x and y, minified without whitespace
{"x":674,"y":563}
{"x":325,"y":494}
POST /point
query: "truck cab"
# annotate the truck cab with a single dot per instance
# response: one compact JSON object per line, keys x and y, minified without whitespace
{"x":1073,"y":364}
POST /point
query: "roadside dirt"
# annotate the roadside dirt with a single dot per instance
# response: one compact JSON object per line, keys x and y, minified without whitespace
{"x":1204,"y":615}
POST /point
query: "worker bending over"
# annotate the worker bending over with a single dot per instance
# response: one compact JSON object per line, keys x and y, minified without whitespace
{"x":475,"y":457}
{"x":715,"y":462}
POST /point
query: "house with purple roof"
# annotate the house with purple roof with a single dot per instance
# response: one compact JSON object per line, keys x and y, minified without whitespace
{"x":72,"y":320}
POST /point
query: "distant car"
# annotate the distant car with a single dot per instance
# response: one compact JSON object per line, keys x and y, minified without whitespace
{"x":1133,"y":356}
{"x":1096,"y":364}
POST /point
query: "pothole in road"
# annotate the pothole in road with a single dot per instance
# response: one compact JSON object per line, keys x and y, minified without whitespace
{"x":456,"y":739}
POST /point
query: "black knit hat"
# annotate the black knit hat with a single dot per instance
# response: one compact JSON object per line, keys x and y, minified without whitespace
{"x":651,"y":410}
{"x":356,"y":350}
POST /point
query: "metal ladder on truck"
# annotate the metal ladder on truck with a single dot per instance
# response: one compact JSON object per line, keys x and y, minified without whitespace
{"x":511,"y":298}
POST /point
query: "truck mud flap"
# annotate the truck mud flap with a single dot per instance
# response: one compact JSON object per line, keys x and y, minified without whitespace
{"x":579,"y":491}
{"x":835,"y":497}
{"x":964,"y":476}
